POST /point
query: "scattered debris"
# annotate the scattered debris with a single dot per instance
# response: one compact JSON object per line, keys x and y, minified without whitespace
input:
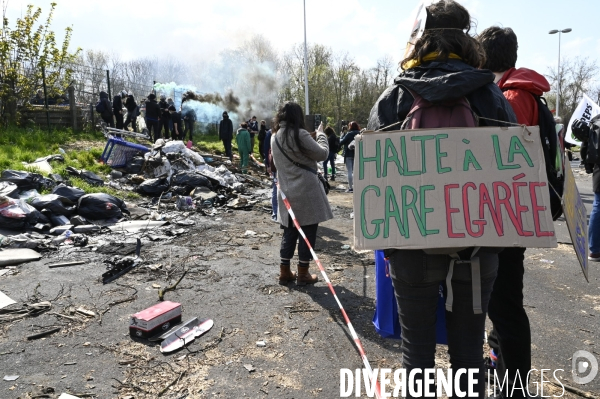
{"x":43,"y":333}
{"x":5,"y":300}
{"x":163,"y":291}
{"x":68,"y":396}
{"x":11,"y":377}
{"x":67,"y":264}
{"x":185,"y":334}
{"x":9,"y":257}
{"x":261,"y":344}
{"x":118,"y":266}
{"x":159,"y":317}
{"x":249,"y":367}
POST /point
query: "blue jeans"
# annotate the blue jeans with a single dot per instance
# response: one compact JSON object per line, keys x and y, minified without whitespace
{"x":350,"y":169}
{"x":331,"y":160}
{"x":416,"y":277}
{"x":594,"y":226}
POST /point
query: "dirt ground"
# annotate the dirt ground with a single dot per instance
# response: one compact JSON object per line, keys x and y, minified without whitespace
{"x":231,"y":279}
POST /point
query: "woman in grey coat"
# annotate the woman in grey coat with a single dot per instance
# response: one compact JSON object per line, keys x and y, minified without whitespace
{"x":293,"y":145}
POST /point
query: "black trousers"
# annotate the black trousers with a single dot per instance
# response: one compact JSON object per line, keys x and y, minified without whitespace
{"x":189,"y":129}
{"x":511,"y":336}
{"x":227,"y":145}
{"x":153,"y":129}
{"x":291,"y":237}
{"x":109,"y":120}
{"x":164,"y":125}
{"x":119,"y":120}
{"x":131,"y":119}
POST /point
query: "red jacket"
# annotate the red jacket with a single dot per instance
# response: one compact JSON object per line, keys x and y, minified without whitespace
{"x":518,"y":85}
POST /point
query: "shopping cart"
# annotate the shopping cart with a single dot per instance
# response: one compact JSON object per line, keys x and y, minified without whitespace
{"x":118,"y":152}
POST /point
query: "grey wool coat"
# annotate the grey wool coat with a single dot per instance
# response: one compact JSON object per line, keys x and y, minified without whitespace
{"x":302,"y":188}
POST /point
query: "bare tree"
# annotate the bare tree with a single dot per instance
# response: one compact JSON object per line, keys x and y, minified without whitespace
{"x":577,"y":76}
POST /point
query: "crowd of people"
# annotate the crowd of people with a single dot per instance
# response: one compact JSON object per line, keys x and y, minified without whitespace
{"x":162,"y":119}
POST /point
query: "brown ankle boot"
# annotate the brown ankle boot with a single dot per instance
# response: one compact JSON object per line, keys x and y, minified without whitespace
{"x":304,"y":277}
{"x":286,"y":275}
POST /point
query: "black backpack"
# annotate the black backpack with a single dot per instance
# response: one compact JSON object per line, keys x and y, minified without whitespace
{"x":337,"y":147}
{"x":550,"y":147}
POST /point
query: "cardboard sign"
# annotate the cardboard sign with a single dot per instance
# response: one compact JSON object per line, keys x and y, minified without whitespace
{"x":576,"y":217}
{"x":452,"y":187}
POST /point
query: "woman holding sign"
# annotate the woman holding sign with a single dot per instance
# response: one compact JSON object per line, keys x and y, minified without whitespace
{"x":441,"y":86}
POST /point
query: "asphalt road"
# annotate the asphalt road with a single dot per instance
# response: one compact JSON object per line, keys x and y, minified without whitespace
{"x":564,"y":309}
{"x":232,"y":279}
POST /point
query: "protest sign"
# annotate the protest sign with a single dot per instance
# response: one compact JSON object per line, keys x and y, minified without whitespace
{"x":585,"y":111}
{"x":576,"y":217}
{"x":452,"y":187}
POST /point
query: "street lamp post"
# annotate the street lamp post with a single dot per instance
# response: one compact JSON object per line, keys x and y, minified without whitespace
{"x":305,"y":66}
{"x":552,"y":32}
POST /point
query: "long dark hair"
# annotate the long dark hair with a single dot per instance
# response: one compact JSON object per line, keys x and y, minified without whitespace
{"x":291,"y":113}
{"x":447,"y":31}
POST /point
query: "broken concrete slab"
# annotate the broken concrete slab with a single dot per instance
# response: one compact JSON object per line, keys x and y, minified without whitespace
{"x":5,"y":300}
{"x":135,"y":226}
{"x":16,"y":256}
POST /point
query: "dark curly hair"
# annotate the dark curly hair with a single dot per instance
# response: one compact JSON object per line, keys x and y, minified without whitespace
{"x":447,"y":31}
{"x":500,"y":46}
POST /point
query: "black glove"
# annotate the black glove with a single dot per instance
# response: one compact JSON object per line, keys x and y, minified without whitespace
{"x":580,"y":129}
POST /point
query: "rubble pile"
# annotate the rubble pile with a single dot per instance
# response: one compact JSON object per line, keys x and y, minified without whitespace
{"x":174,"y":180}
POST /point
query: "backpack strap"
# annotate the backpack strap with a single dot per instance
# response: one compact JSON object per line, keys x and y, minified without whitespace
{"x":475,"y":280}
{"x":311,"y":170}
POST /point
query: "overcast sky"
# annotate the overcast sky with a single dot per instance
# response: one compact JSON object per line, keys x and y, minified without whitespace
{"x":366,"y":29}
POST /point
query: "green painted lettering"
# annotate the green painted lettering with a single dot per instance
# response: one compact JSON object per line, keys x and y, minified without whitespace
{"x":470,"y":160}
{"x":363,"y":216}
{"x":516,"y":147}
{"x":407,"y":172}
{"x":439,"y":155}
{"x":393,"y":157}
{"x":423,"y":139}
{"x":362,"y":159}
{"x":424,"y":210}
{"x":499,"y":163}
{"x":392,"y":211}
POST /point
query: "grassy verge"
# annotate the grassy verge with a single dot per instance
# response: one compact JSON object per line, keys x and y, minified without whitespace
{"x":27,"y":145}
{"x":82,"y":152}
{"x":210,"y":143}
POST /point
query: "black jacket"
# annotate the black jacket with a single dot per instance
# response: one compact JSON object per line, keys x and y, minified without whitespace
{"x":117,"y":104}
{"x":226,"y":129}
{"x":107,"y":113}
{"x":164,"y":110}
{"x":442,"y":81}
{"x":130,"y":103}
{"x":591,"y":167}
{"x":332,"y":140}
{"x":347,"y":139}
{"x":152,"y":110}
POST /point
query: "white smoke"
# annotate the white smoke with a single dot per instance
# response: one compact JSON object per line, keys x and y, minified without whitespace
{"x":245,"y":82}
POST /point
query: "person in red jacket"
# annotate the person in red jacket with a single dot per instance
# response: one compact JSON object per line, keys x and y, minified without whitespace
{"x":510,"y":338}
